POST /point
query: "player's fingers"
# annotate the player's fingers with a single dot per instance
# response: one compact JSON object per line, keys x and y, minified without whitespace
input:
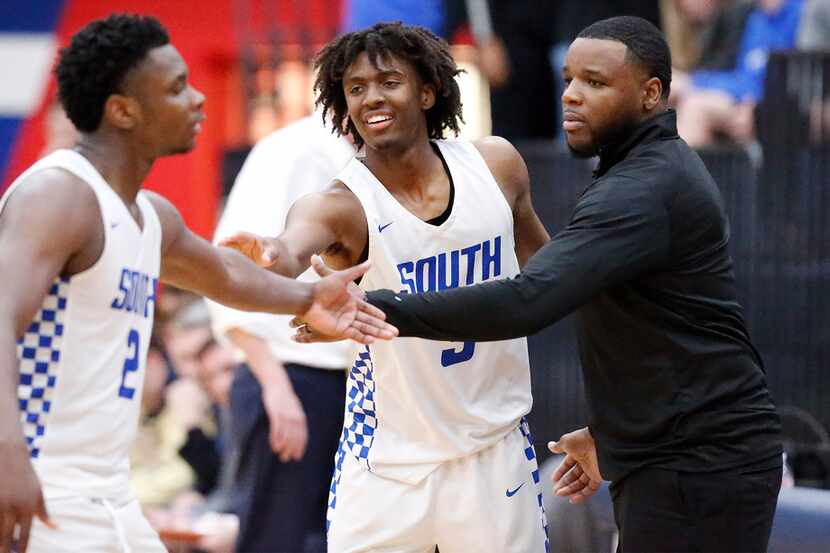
{"x":377,"y":329}
{"x":353,"y":333}
{"x":368,"y":310}
{"x":373,"y":326}
{"x":7,"y":522}
{"x":563,"y":467}
{"x":320,"y":266}
{"x":354,"y":273}
{"x":43,"y":514}
{"x":555,"y":447}
{"x":296,"y":322}
{"x":23,"y":538}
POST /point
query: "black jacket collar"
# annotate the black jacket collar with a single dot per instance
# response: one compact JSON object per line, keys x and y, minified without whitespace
{"x":659,"y":127}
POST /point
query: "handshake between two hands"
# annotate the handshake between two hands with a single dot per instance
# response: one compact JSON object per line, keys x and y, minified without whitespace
{"x":339,"y":309}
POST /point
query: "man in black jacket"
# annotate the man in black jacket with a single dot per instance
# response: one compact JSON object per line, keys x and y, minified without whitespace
{"x":685,"y":427}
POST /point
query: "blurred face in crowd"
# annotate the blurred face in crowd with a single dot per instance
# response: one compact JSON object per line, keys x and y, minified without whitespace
{"x":606,"y":95}
{"x":162,"y":109}
{"x":216,"y":372}
{"x":184,"y":346}
{"x":387,"y":103}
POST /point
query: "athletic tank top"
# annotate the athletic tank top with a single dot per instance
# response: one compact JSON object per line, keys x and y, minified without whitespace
{"x":82,"y":358}
{"x":413,"y":404}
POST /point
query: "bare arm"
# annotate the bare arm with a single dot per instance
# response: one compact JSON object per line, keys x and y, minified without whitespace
{"x":330,"y":223}
{"x":225,"y":276}
{"x":221,"y":274}
{"x":510,"y":172}
{"x":32,"y":255}
{"x":288,"y":432}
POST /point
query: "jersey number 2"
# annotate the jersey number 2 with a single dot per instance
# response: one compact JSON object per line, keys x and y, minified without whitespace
{"x":452,"y":357}
{"x":130,"y":364}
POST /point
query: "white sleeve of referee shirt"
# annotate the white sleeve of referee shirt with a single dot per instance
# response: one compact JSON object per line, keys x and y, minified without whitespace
{"x":291,"y":162}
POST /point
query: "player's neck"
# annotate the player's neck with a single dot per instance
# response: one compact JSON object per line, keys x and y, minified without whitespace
{"x":408,"y":169}
{"x":121,"y":164}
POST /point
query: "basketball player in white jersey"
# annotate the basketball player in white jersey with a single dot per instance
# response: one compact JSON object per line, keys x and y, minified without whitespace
{"x":81,"y":252}
{"x":434,"y":450}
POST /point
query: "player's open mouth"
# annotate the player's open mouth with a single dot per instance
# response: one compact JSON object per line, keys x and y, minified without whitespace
{"x":378,"y":122}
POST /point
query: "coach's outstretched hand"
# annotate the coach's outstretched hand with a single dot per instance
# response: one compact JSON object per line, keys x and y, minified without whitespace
{"x":20,"y":499}
{"x":577,"y":476}
{"x":339,"y":309}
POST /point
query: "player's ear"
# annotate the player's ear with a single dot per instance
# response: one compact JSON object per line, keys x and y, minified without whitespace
{"x":122,"y":112}
{"x":427,"y":96}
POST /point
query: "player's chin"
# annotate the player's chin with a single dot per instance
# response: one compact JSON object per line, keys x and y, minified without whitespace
{"x":186,"y":146}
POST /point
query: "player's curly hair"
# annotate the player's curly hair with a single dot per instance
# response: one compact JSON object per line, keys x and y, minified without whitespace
{"x":97,"y":60}
{"x":429,"y":54}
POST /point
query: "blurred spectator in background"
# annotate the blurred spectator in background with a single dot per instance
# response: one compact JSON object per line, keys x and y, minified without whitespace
{"x":814,"y":32}
{"x":722,"y":101}
{"x":514,"y":38}
{"x":183,"y":457}
{"x":288,"y":400}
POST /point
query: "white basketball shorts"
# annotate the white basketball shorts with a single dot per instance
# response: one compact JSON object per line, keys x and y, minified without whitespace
{"x":94,"y":526}
{"x":488,"y":502}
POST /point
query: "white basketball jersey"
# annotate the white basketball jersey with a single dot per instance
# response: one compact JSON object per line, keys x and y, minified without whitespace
{"x":413,"y":404}
{"x":82,"y":358}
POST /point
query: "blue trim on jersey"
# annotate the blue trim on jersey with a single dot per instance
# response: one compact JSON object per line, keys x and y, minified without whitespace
{"x":38,"y":353}
{"x":530,"y":454}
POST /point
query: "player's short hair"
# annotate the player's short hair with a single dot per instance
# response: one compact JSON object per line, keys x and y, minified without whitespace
{"x":97,"y":60}
{"x":429,"y":54}
{"x":645,"y":43}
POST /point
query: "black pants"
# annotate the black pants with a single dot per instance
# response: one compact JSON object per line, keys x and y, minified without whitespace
{"x":282,"y":506}
{"x":669,"y":511}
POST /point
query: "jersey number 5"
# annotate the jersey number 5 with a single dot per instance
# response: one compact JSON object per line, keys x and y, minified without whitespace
{"x":452,"y":357}
{"x":130,"y":364}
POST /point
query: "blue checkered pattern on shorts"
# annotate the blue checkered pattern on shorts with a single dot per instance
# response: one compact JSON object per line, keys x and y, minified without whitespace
{"x":530,"y":454}
{"x":39,"y":352}
{"x":360,"y":422}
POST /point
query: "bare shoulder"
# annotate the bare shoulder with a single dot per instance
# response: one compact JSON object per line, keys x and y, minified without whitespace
{"x":53,"y":218}
{"x":55,"y":198}
{"x":506,"y":164}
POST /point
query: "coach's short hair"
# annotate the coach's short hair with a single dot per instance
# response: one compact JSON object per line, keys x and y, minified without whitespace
{"x":645,"y":43}
{"x":97,"y":60}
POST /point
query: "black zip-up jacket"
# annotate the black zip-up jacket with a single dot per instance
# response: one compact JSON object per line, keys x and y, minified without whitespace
{"x":671,"y":376}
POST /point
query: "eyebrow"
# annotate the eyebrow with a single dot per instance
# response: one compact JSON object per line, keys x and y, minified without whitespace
{"x":382,"y":74}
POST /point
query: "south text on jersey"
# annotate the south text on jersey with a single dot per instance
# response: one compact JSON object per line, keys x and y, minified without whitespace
{"x":136,"y":291}
{"x":465,"y":266}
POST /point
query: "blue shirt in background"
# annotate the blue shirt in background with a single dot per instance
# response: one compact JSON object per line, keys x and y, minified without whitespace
{"x":765,"y":32}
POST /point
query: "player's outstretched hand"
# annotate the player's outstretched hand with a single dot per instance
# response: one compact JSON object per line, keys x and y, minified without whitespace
{"x":20,"y":499}
{"x":577,"y":476}
{"x":259,"y":249}
{"x":341,"y":311}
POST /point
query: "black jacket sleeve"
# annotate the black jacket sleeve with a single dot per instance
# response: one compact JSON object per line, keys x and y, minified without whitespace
{"x":620,"y":229}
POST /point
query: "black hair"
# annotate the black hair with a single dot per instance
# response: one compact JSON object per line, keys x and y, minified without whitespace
{"x":97,"y":60}
{"x":645,"y":43}
{"x":429,"y":54}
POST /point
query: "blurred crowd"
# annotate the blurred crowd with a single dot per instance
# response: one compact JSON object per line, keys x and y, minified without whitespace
{"x":191,"y":469}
